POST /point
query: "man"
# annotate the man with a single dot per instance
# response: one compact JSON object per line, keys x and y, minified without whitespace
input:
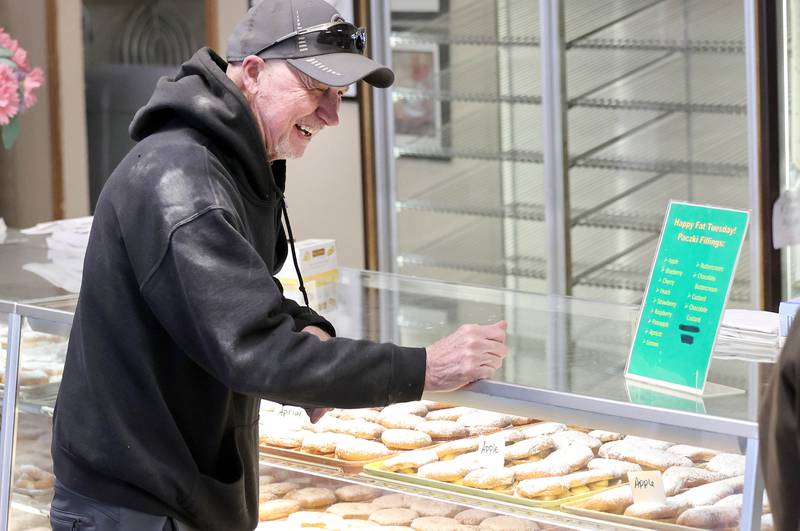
{"x":180,"y":327}
{"x":779,"y":435}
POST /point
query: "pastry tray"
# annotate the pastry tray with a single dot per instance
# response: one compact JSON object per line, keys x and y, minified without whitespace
{"x":376,"y":469}
{"x":573,"y":507}
{"x":350,"y":468}
{"x":44,"y":393}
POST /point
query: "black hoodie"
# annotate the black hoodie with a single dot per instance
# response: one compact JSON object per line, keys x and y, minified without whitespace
{"x":181,"y":328}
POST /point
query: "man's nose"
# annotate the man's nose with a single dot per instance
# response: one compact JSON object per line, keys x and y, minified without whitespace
{"x":329,"y":108}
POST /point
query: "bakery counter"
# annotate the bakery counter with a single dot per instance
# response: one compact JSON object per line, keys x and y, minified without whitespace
{"x":565,"y":365}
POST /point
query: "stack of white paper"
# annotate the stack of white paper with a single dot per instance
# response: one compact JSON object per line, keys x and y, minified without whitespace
{"x":66,"y":248}
{"x":749,"y":335}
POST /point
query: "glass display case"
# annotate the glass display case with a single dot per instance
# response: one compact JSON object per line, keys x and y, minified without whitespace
{"x":565,"y":365}
{"x":537,"y":143}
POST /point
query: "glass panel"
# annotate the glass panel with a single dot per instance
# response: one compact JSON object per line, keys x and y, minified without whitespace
{"x":655,"y":93}
{"x":657,"y":111}
{"x":31,"y":272}
{"x":596,"y":338}
{"x":42,"y":354}
{"x":468,"y":141}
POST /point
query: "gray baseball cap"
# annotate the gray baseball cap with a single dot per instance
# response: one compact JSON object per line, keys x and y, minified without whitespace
{"x":312,"y":37}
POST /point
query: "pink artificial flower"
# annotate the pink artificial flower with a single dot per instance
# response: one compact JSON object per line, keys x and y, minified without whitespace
{"x":7,"y":42}
{"x":9,"y":94}
{"x":33,"y":80}
{"x":20,"y":56}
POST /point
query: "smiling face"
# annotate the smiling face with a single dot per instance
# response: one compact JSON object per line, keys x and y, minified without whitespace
{"x":290,"y":107}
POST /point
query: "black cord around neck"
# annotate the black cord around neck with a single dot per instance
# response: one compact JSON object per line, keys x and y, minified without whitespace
{"x":294,"y":253}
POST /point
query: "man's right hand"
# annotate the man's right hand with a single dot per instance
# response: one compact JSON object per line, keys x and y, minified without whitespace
{"x":473,"y":352}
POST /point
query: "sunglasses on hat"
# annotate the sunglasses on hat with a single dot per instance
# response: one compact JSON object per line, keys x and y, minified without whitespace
{"x":320,"y":38}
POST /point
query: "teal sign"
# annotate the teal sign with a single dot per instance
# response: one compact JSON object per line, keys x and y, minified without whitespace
{"x":686,"y":295}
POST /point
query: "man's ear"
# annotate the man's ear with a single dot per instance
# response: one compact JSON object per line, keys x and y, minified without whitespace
{"x":252,"y":67}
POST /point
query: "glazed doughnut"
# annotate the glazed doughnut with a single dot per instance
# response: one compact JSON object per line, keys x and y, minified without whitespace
{"x":304,"y":519}
{"x":442,"y":429}
{"x":407,"y":460}
{"x":728,"y":464}
{"x":281,"y":488}
{"x":312,"y":497}
{"x":405,"y":439}
{"x":445,"y":470}
{"x":355,"y":493}
{"x":489,"y":478}
{"x":285,"y":438}
{"x":435,"y":406}
{"x":694,"y":453}
{"x":710,"y":517}
{"x":542,"y":487}
{"x":457,"y":447}
{"x":711,"y":493}
{"x":559,"y":463}
{"x":692,"y":476}
{"x":323,"y":443}
{"x":617,"y":468}
{"x":393,"y":516}
{"x":33,"y":478}
{"x":369,"y":415}
{"x":480,"y":419}
{"x":605,"y":436}
{"x":512,"y":436}
{"x":33,"y":377}
{"x":390,"y":501}
{"x":361,"y":450}
{"x":646,"y":456}
{"x":475,"y":431}
{"x":650,"y":443}
{"x":362,"y":429}
{"x":434,"y":508}
{"x":275,"y":509}
{"x":565,"y":438}
{"x":543,"y":428}
{"x":352,"y":510}
{"x":413,"y":408}
{"x":329,"y":423}
{"x":400,"y":421}
{"x":657,"y":511}
{"x":453,"y":413}
{"x":529,"y":447}
{"x":472,"y":516}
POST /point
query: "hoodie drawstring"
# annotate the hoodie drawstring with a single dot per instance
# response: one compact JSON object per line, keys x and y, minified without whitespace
{"x":294,"y":253}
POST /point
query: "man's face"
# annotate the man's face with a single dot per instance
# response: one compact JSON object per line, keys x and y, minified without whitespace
{"x":292,"y":107}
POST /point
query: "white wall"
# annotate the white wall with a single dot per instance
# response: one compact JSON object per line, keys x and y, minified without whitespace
{"x":25,"y":170}
{"x":323,"y":188}
{"x":75,"y":155}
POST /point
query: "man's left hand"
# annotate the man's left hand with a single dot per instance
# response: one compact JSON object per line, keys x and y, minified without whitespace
{"x":317,"y":412}
{"x":317,"y":331}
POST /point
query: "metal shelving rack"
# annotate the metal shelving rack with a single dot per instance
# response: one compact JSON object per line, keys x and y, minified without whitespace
{"x":653,"y":105}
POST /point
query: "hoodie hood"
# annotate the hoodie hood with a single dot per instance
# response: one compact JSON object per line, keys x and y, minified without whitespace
{"x":202,"y":97}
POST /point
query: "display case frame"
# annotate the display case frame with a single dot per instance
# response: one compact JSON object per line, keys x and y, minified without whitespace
{"x":379,"y":294}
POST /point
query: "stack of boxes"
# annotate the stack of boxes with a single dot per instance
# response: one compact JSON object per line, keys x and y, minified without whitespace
{"x":318,"y":265}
